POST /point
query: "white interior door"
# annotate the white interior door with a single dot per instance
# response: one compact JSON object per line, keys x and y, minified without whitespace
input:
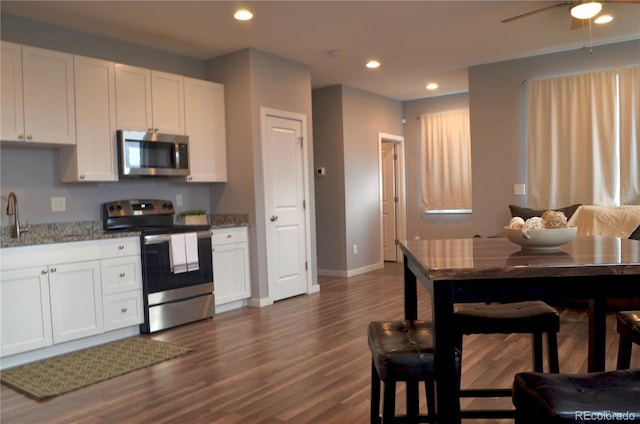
{"x":389,"y":201}
{"x":286,"y":224}
{"x":392,"y":195}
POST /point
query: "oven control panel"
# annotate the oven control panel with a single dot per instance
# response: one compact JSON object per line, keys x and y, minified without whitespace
{"x":125,"y":208}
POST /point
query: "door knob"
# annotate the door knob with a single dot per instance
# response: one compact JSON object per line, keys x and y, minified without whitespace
{"x":274,"y":218}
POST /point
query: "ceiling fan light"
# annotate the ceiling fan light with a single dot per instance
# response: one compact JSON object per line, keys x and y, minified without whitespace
{"x":586,"y":10}
{"x":603,"y":19}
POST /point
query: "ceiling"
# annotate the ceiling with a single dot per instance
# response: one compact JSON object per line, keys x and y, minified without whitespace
{"x":416,"y":41}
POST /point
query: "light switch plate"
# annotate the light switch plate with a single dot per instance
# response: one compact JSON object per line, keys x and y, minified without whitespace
{"x":58,"y":204}
{"x":519,"y":189}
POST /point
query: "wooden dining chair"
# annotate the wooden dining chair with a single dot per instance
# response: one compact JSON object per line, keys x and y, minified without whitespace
{"x":628,"y":327}
{"x":531,"y":317}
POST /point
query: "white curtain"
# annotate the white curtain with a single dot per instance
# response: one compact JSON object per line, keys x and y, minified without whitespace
{"x":629,"y":81}
{"x":573,"y":153}
{"x":446,"y":161}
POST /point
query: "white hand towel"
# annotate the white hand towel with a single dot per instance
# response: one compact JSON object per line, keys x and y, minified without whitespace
{"x":191,"y":245}
{"x":177,"y":254}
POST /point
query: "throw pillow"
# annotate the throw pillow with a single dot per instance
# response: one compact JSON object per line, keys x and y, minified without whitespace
{"x":526,"y":213}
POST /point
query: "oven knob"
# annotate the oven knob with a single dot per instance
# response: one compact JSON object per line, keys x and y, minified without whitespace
{"x":111,"y":208}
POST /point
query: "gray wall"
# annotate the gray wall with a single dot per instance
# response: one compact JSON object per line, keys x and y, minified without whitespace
{"x":420,"y":225}
{"x":255,"y":79}
{"x":33,"y":172}
{"x":330,"y":188}
{"x":355,"y":189}
{"x":497,"y":107}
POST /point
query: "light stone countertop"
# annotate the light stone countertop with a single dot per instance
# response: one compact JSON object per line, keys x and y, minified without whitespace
{"x":62,"y":232}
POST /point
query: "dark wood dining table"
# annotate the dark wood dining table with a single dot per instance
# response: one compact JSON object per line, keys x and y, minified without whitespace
{"x":592,"y":268}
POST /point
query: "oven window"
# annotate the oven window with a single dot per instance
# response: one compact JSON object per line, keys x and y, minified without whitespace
{"x":157,"y":270}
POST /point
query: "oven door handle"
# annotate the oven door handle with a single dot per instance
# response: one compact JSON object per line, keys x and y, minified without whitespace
{"x":163,"y":238}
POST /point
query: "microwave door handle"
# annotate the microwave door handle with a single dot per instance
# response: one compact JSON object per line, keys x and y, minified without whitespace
{"x":176,"y":155}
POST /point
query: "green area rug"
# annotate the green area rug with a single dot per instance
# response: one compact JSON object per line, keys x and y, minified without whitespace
{"x":62,"y":374}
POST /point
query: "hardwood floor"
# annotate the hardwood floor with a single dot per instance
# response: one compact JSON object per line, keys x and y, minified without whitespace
{"x":301,"y":360}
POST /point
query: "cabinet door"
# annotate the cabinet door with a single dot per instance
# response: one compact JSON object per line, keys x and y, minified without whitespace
{"x":12,"y":124}
{"x":24,"y":310}
{"x":231,"y":266}
{"x":76,"y":300}
{"x":94,"y":157}
{"x":49,"y":104}
{"x":167,"y":97}
{"x":205,"y":126}
{"x":133,"y":98}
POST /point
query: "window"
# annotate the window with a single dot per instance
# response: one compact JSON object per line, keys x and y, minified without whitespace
{"x":446,"y":162}
{"x":583,"y":133}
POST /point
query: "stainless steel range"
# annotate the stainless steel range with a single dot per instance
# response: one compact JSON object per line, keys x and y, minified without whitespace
{"x":177,"y":268}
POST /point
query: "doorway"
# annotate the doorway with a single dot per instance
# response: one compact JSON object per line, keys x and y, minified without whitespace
{"x":286,"y":183}
{"x":392,"y":195}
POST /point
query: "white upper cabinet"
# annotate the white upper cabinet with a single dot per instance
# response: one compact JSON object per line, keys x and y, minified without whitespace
{"x":149,"y":100}
{"x":38,"y":102}
{"x":167,"y":97}
{"x":12,"y":125}
{"x":205,"y":126}
{"x":94,"y":156}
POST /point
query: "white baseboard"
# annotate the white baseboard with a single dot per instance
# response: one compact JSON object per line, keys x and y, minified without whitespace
{"x":350,"y":272}
{"x":259,"y":302}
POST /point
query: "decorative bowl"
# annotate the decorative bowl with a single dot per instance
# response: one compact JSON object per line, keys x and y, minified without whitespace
{"x":542,"y":240}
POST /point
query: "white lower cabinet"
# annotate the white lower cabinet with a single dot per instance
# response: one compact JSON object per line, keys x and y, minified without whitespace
{"x":231,"y":264}
{"x":24,"y":310}
{"x":73,"y":290}
{"x":76,"y":300}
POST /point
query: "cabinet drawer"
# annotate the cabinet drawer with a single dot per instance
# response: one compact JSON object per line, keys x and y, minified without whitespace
{"x":230,"y":235}
{"x":122,"y":310}
{"x":120,"y":274}
{"x":117,"y":247}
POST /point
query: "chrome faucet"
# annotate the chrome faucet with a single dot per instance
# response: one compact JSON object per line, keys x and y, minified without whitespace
{"x":12,"y":210}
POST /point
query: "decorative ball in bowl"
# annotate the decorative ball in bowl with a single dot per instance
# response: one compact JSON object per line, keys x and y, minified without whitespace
{"x":543,"y":239}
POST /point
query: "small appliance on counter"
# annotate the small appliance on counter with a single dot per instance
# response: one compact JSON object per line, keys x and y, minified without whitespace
{"x":177,"y":267}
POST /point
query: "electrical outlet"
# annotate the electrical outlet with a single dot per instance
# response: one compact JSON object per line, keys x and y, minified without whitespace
{"x":178,"y":199}
{"x":58,"y":204}
{"x":355,"y":249}
{"x":519,"y":189}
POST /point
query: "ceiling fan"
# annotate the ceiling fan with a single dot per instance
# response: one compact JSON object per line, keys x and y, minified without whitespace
{"x":581,"y":11}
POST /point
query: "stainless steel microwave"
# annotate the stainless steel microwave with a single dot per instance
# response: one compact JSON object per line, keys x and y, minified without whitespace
{"x":147,"y":154}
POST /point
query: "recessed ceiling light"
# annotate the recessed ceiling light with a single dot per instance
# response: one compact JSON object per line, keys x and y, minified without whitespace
{"x":373,"y":64}
{"x":243,"y":15}
{"x":603,"y":19}
{"x":432,"y":86}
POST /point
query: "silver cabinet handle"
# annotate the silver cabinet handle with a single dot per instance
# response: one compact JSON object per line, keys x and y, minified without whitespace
{"x":20,"y":136}
{"x":229,"y":236}
{"x":121,"y":247}
{"x":29,"y":137}
{"x":122,"y":275}
{"x":53,"y":269}
{"x":274,"y":218}
{"x":124,"y":310}
{"x":44,"y":271}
